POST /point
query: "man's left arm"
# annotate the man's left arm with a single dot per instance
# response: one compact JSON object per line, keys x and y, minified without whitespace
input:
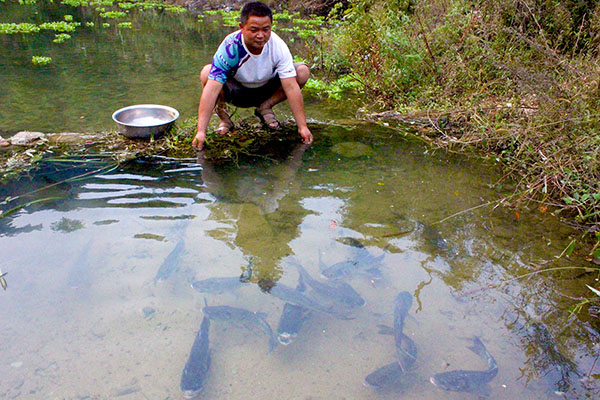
{"x":294,"y":96}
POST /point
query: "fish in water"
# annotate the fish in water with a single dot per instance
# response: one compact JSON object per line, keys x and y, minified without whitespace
{"x":364,"y":262}
{"x":402,"y":304}
{"x":292,"y":318}
{"x":248,"y":319}
{"x":338,"y":291}
{"x":171,"y":263}
{"x":389,"y":375}
{"x":220,"y":285}
{"x":469,"y":381}
{"x":293,"y":296}
{"x":196,"y":368}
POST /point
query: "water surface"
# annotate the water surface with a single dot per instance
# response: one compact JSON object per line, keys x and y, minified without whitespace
{"x":85,"y":317}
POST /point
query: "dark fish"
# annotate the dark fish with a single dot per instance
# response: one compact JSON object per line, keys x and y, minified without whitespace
{"x":220,"y":285}
{"x":389,"y":376}
{"x":402,"y":304}
{"x":293,"y":296}
{"x":469,"y":381}
{"x":338,"y":291}
{"x":250,"y":320}
{"x":196,"y":368}
{"x":171,"y":263}
{"x":292,"y":318}
{"x":345,"y":269}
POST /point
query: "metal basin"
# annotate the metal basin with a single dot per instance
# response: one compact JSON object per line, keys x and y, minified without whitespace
{"x":143,"y":121}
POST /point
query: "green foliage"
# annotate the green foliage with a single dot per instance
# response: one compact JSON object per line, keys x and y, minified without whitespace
{"x":41,"y":60}
{"x":12,"y":28}
{"x":61,"y":37}
{"x":113,"y":14}
{"x":337,"y":89}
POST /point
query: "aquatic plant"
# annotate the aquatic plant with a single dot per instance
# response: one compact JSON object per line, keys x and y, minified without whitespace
{"x":113,"y":14}
{"x":61,"y":37}
{"x":41,"y":60}
{"x":60,"y":26}
{"x":125,"y":25}
{"x":66,"y":225}
{"x":13,"y":28}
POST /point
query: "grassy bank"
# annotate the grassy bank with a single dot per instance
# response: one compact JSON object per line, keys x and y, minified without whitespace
{"x":516,"y":80}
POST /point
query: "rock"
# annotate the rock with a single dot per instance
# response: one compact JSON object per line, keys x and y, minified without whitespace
{"x":4,"y":142}
{"x":25,"y":137}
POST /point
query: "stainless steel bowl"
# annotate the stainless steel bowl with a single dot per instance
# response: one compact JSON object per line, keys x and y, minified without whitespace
{"x":143,"y":121}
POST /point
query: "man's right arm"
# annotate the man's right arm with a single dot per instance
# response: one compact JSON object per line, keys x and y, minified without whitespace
{"x":210,"y":93}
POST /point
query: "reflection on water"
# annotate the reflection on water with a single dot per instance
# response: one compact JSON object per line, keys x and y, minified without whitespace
{"x":100,"y":279}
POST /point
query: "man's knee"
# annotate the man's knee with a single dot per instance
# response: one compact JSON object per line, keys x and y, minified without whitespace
{"x":302,"y":74}
{"x":204,"y":74}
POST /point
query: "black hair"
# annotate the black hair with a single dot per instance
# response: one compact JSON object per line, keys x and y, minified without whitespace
{"x":257,"y":9}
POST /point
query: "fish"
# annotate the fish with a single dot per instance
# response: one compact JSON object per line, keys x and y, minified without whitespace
{"x":292,"y":318}
{"x":2,"y":280}
{"x":469,"y":381}
{"x":402,"y":304}
{"x":389,"y":375}
{"x":338,"y":291}
{"x":293,"y":296}
{"x":249,"y":319}
{"x":224,"y":284}
{"x":171,"y":263}
{"x":196,"y":368}
{"x":345,"y":269}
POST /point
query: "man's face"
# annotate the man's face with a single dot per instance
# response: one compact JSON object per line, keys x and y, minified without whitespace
{"x":256,"y":32}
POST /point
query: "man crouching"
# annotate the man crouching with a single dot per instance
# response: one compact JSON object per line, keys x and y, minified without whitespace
{"x":252,"y":67}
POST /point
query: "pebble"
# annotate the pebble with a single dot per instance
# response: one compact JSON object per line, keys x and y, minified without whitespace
{"x":17,"y":364}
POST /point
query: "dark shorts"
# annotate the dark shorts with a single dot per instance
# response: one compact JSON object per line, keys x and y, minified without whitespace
{"x":245,"y":97}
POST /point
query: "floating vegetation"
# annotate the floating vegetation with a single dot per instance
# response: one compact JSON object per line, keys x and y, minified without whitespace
{"x":113,"y":14}
{"x":67,"y":225}
{"x":106,"y":222}
{"x":59,"y":26}
{"x":167,"y":218}
{"x":104,"y":9}
{"x":41,"y":60}
{"x":150,"y":236}
{"x":61,"y":37}
{"x":12,"y":28}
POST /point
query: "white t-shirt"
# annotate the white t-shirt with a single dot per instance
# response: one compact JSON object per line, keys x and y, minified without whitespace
{"x":234,"y":60}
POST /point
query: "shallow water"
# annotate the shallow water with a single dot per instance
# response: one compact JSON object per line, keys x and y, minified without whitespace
{"x":85,"y":317}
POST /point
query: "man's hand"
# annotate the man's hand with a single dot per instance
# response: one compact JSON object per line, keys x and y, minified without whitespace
{"x":198,"y":141}
{"x":306,"y":135}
